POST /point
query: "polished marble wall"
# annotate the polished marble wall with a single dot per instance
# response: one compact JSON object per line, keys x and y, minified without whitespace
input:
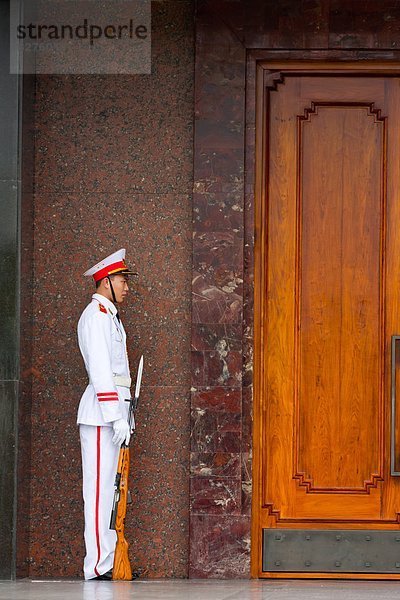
{"x":113,"y":168}
{"x":220,"y":439}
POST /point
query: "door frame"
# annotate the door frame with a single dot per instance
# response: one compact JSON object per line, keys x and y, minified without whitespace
{"x":267,"y":66}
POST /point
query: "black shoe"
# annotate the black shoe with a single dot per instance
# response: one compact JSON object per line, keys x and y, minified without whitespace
{"x":104,"y":577}
{"x":135,"y":575}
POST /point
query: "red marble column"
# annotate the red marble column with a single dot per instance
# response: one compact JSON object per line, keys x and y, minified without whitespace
{"x":220,"y":522}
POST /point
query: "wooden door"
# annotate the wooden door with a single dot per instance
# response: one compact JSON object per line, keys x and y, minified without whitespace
{"x":326,"y":306}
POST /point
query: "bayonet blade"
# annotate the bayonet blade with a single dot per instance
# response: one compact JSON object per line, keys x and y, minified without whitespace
{"x":139,"y":378}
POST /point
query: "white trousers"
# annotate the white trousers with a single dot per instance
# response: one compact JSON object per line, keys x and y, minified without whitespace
{"x":99,"y":466}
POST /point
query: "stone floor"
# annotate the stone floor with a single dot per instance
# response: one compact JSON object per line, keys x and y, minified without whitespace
{"x":25,"y":589}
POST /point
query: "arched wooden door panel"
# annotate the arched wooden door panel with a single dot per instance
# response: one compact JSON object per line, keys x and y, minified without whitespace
{"x":327,"y":305}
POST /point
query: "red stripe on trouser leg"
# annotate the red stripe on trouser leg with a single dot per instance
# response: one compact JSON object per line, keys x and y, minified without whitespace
{"x":97,"y":501}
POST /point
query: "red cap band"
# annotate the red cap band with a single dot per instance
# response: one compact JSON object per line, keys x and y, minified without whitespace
{"x":110,"y":270}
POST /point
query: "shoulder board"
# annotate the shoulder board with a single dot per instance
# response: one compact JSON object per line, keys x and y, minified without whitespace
{"x":102,"y":308}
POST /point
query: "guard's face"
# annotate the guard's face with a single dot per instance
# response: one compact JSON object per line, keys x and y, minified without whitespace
{"x":121,"y":288}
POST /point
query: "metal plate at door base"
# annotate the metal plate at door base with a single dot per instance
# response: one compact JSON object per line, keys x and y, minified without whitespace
{"x":331,"y":551}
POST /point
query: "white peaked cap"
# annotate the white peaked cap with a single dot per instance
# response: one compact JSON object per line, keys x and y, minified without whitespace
{"x":113,"y":264}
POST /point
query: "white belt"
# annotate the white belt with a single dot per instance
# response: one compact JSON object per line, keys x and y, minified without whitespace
{"x":122,"y":381}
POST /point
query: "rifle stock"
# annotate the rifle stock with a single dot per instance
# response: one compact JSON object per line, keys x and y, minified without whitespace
{"x":121,"y":567}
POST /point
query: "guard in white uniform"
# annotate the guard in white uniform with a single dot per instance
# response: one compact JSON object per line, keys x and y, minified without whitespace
{"x":103,"y":411}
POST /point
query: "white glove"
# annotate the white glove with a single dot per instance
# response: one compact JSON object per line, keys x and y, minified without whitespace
{"x":121,"y":432}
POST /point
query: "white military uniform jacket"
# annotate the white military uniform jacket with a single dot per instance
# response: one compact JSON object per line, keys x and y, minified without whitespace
{"x":102,"y":342}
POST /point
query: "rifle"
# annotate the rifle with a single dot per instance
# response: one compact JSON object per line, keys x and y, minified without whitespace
{"x":121,"y":567}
